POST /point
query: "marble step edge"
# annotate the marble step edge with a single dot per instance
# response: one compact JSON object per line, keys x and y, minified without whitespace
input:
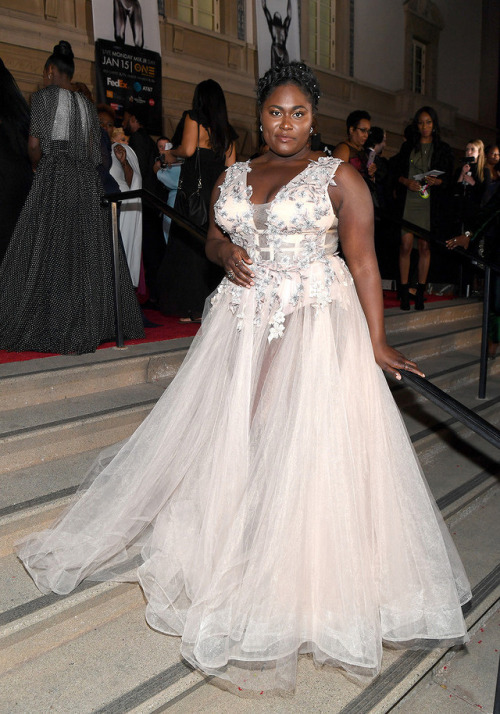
{"x":71,"y":436}
{"x":431,"y":436}
{"x":51,"y":386}
{"x":397,"y":320}
{"x":393,"y":685}
{"x":420,"y":348}
{"x":412,"y":694}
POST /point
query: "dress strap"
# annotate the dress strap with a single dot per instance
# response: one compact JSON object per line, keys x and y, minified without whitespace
{"x":332,"y":165}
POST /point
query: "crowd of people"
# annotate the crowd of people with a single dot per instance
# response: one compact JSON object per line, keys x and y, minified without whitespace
{"x":416,"y":194}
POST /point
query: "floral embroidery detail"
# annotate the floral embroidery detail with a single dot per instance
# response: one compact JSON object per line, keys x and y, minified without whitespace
{"x":294,"y":232}
{"x":319,"y":290}
{"x":277,"y":325}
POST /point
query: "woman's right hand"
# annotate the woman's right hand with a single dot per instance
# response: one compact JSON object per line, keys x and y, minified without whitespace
{"x":235,"y":261}
{"x":461,"y":241}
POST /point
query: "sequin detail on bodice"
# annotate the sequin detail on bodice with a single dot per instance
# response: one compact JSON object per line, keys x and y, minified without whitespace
{"x":290,"y":240}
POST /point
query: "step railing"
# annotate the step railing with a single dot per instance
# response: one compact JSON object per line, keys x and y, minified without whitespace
{"x":453,"y":407}
{"x":487,"y":265}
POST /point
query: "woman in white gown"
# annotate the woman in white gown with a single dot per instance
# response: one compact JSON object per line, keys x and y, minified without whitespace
{"x":271,"y":504}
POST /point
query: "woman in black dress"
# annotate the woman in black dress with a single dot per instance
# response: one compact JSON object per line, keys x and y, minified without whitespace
{"x":186,"y":276}
{"x":57,"y":274}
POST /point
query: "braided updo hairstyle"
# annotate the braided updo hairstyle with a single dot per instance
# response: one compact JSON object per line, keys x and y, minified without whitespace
{"x":63,"y":58}
{"x":296,"y":73}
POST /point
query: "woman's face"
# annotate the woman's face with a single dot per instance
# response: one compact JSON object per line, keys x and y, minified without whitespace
{"x":472,"y":150}
{"x":107,"y":123}
{"x":425,"y":125}
{"x":286,"y":119}
{"x":358,"y":134}
{"x":493,"y":156}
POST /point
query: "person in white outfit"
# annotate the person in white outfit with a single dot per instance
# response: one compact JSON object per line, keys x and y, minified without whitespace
{"x":125,"y":170}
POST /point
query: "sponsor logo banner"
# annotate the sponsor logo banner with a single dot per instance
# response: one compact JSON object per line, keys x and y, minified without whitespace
{"x":127,"y":75}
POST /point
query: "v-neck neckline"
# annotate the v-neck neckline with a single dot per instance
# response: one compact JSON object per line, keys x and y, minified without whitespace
{"x":269,"y":203}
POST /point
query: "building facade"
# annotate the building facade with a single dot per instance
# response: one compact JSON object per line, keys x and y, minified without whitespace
{"x":386,"y":56}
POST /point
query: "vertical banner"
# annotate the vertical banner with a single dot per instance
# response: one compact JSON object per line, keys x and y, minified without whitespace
{"x":278,"y":36}
{"x":127,"y":56}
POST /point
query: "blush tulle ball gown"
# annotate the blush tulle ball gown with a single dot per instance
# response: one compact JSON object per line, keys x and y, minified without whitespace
{"x":271,"y":503}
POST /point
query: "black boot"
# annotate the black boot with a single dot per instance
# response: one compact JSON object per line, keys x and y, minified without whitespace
{"x":419,"y":296}
{"x":404,"y":296}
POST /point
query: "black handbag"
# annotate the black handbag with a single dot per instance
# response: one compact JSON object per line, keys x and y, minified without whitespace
{"x":192,"y":205}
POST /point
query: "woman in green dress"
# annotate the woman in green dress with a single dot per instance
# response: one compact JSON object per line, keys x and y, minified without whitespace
{"x":421,"y":201}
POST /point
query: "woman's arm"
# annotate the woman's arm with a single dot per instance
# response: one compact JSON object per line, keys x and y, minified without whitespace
{"x":353,"y":205}
{"x":189,"y":142}
{"x":341,"y":151}
{"x":231,"y":155}
{"x":34,"y":151}
{"x":121,"y":155}
{"x":219,"y":249}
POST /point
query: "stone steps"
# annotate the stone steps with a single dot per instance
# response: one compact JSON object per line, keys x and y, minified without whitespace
{"x":91,"y":651}
{"x":51,"y":379}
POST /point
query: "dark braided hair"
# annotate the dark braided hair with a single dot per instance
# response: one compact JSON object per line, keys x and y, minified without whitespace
{"x":296,"y":73}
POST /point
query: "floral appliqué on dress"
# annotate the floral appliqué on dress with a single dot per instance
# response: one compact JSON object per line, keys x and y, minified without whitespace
{"x":291,"y":247}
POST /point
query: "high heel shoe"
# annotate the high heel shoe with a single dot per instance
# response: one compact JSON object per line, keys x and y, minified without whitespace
{"x":404,"y":296}
{"x":419,"y":296}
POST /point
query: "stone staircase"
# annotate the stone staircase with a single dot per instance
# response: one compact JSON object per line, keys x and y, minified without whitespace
{"x":91,"y":651}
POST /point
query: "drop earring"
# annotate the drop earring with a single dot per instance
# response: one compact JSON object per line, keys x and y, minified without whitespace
{"x":261,"y":127}
{"x":311,"y":130}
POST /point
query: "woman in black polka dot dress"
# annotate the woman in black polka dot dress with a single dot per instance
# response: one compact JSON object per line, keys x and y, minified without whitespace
{"x":56,"y":277}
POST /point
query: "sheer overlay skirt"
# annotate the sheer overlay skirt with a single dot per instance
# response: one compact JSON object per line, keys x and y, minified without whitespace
{"x":270,"y":504}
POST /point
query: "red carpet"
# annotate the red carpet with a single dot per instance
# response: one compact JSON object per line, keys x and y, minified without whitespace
{"x":169,"y":328}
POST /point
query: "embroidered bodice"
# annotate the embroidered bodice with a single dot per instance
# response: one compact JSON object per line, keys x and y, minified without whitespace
{"x":292,"y":230}
{"x":291,"y":241}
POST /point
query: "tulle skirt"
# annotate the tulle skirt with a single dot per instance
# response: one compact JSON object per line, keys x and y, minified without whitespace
{"x":270,"y":504}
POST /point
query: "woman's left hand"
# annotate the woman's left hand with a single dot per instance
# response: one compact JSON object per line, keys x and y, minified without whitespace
{"x":169,"y":158}
{"x":433,"y":181}
{"x":393,"y":361}
{"x":120,"y":153}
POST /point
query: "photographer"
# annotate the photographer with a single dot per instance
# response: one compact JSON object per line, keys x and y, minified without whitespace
{"x":468,"y":185}
{"x":468,"y":188}
{"x":482,"y":237}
